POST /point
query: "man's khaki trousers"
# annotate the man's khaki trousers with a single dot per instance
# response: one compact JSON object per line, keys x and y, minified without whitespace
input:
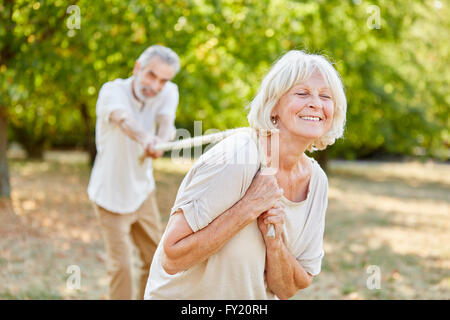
{"x":144,"y":228}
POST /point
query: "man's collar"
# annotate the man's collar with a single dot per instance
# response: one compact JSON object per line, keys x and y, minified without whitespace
{"x":133,"y":94}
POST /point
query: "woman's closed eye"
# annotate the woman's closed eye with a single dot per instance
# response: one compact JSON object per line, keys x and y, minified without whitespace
{"x":304,"y":94}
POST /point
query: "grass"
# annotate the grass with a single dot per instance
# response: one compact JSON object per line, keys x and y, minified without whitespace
{"x":394,"y":216}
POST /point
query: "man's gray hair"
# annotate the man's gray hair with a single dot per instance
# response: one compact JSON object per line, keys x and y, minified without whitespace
{"x":166,"y":54}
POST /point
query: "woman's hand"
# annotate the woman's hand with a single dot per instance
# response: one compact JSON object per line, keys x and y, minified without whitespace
{"x":262,"y":195}
{"x":274,"y":216}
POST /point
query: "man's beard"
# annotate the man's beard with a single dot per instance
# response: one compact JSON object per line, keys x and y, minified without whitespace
{"x":138,"y":88}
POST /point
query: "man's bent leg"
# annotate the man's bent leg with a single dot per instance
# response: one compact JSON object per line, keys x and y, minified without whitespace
{"x":116,"y":231}
{"x":146,"y":233}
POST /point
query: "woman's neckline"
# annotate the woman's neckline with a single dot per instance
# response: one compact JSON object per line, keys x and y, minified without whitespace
{"x":297,"y":203}
{"x":283,"y":198}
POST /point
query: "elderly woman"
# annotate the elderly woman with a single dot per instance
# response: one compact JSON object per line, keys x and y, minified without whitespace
{"x":216,"y":244}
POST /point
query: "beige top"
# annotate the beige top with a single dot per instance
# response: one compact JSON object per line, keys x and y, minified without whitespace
{"x":216,"y":182}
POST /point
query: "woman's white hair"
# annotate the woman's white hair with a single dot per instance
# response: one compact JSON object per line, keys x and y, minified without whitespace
{"x":293,"y":67}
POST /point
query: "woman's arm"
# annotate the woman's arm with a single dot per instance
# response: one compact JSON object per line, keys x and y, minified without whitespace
{"x":284,"y":274}
{"x":183,"y":248}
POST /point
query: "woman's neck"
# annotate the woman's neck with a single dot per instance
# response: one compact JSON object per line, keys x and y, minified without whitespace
{"x":290,"y":150}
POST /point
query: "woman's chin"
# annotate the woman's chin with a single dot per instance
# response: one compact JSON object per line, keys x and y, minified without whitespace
{"x":308,"y":133}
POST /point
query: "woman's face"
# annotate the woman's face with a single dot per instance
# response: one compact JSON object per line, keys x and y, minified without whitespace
{"x":307,"y":109}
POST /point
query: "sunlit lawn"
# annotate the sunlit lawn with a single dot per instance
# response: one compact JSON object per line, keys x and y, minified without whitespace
{"x":391,"y":215}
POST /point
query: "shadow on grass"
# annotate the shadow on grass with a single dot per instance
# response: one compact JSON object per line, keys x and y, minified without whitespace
{"x":37,"y":268}
{"x":396,"y":187}
{"x":31,"y":294}
{"x":402,"y":276}
{"x":353,"y":243}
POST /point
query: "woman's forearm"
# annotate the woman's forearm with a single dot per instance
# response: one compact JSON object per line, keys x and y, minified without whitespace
{"x":284,"y":274}
{"x":199,"y":246}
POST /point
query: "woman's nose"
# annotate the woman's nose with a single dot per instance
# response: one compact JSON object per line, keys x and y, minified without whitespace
{"x":315,"y":102}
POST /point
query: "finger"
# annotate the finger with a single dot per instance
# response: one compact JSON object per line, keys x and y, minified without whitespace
{"x":279,"y":193}
{"x":260,"y":219}
{"x":274,"y":220}
{"x":261,"y":223}
{"x":148,"y":148}
{"x":279,"y":205}
{"x":273,"y":214}
{"x":275,"y":198}
{"x":274,"y":194}
{"x":275,"y":211}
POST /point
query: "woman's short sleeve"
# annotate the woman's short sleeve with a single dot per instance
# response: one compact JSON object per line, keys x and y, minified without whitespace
{"x":311,"y":260}
{"x":218,"y":179}
{"x":311,"y":257}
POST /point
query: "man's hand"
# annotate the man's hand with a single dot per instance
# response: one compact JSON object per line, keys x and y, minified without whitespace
{"x":149,"y":146}
{"x":134,"y":130}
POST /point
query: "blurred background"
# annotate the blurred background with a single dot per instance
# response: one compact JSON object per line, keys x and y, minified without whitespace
{"x":389,"y":176}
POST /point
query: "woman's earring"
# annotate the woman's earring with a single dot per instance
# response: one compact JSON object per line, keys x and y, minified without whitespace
{"x":274,"y":120}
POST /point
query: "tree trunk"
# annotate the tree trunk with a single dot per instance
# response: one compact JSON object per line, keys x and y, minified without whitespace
{"x":322,"y":158}
{"x":89,"y":144}
{"x":35,"y":151}
{"x":5,"y":189}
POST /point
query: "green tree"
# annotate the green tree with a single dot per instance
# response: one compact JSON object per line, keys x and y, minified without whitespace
{"x":391,"y":57}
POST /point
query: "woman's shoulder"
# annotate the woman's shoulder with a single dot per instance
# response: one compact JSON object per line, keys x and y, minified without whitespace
{"x":239,"y":148}
{"x":242,"y":138}
{"x":318,"y":172}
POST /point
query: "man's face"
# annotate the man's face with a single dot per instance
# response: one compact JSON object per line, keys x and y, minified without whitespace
{"x":150,"y":79}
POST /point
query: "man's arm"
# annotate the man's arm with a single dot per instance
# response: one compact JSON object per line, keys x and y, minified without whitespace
{"x":133,"y":130}
{"x":166,"y":128}
{"x":165,"y":118}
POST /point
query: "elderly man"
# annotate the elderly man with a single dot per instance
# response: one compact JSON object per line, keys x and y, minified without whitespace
{"x":133,"y":115}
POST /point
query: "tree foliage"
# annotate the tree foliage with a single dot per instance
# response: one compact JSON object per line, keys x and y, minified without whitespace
{"x":396,"y":76}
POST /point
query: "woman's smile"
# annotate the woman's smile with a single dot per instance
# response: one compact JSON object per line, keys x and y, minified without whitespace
{"x":310,"y":118}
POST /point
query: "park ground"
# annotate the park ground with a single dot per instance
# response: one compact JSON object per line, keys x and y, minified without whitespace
{"x":385,"y":220}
